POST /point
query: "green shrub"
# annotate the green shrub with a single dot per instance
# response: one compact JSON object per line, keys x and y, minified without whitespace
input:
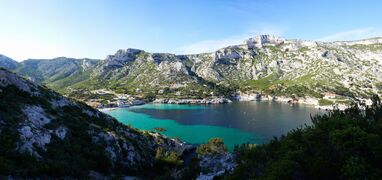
{"x":168,"y":157}
{"x":214,"y":146}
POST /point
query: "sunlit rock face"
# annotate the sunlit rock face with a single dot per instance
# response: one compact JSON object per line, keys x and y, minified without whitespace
{"x":260,"y":41}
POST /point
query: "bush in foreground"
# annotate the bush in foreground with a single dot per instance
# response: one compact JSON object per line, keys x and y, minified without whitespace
{"x":214,"y":146}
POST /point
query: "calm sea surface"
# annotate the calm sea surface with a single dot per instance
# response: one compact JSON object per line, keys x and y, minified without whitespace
{"x":237,"y":123}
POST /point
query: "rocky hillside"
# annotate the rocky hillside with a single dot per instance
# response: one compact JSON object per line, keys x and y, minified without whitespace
{"x":43,"y":134}
{"x":8,"y":63}
{"x":284,"y":67}
{"x":263,"y":64}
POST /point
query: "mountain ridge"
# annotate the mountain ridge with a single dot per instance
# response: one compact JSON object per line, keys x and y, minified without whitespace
{"x":263,"y":64}
{"x":181,"y":54}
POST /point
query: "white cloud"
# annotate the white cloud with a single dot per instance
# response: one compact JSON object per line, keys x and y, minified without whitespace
{"x":212,"y":45}
{"x":353,"y":34}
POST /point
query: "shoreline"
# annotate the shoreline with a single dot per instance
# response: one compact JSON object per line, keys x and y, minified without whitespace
{"x":284,"y":99}
{"x":217,"y":100}
{"x":246,"y":98}
{"x":301,"y":100}
{"x":182,"y":102}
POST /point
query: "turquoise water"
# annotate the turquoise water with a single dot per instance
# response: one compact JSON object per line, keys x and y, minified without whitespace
{"x":236,"y":123}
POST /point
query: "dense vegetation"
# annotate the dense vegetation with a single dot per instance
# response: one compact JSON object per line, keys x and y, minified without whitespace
{"x":339,"y":145}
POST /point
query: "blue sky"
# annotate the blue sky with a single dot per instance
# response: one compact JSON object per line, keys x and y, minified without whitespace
{"x":96,"y":28}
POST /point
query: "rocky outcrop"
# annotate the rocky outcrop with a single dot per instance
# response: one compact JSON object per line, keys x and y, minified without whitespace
{"x":263,"y":40}
{"x":216,"y":166}
{"x":120,"y":58}
{"x":7,"y":79}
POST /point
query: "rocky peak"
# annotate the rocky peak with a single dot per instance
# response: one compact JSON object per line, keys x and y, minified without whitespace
{"x":125,"y":54}
{"x":261,"y":40}
{"x":121,"y":57}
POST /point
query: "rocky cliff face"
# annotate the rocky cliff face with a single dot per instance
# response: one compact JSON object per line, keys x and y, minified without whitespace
{"x":265,"y":63}
{"x":272,"y":64}
{"x":43,"y":134}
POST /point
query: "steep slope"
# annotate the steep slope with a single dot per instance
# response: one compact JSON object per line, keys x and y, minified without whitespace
{"x":8,"y":63}
{"x":43,"y":134}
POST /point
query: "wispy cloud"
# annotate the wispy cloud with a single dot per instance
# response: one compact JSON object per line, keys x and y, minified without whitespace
{"x":214,"y":44}
{"x":353,"y":34}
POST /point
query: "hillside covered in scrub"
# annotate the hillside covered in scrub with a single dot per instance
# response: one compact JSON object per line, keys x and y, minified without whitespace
{"x":43,"y":134}
{"x":263,"y":64}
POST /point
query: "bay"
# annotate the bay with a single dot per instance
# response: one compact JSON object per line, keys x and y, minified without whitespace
{"x":239,"y":122}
